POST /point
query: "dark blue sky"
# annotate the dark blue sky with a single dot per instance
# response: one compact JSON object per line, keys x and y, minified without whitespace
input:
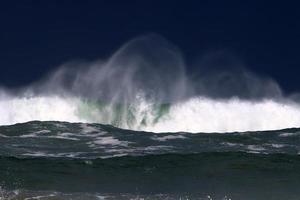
{"x":36,"y":36}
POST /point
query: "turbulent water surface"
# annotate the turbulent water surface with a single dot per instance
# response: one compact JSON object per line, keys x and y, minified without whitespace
{"x":142,"y":125}
{"x":60,"y":160}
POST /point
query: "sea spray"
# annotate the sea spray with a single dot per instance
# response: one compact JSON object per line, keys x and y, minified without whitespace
{"x":145,"y":85}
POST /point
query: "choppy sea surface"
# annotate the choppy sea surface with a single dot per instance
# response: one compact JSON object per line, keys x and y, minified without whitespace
{"x":60,"y":160}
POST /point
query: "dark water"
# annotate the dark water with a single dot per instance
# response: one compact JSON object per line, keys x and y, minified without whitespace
{"x":56,"y":160}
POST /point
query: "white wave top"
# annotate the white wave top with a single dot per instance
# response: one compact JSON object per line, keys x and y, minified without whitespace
{"x":194,"y":115}
{"x":19,"y":110}
{"x":207,"y":115}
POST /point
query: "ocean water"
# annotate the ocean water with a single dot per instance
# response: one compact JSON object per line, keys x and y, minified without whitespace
{"x":140,"y":125}
{"x":62,"y":160}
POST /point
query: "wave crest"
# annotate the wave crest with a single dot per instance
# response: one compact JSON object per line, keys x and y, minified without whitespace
{"x":147,"y":85}
{"x":195,"y":115}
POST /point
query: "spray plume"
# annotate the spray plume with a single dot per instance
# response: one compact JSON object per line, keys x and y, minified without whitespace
{"x":145,"y":85}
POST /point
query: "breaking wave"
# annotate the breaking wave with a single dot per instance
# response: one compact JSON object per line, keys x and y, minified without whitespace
{"x":146,"y":85}
{"x":194,"y":115}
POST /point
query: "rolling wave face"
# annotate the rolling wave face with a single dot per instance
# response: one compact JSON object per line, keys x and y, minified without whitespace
{"x":60,"y":160}
{"x":193,"y":115}
{"x":92,"y":141}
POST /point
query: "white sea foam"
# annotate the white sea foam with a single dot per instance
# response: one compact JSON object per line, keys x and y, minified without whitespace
{"x":193,"y":115}
{"x":207,"y":115}
{"x":168,"y":137}
{"x":54,"y":155}
{"x":256,"y":148}
{"x":109,"y":140}
{"x":230,"y":144}
{"x":18,"y":110}
{"x":89,"y":129}
{"x":289,"y":134}
{"x":278,"y":145}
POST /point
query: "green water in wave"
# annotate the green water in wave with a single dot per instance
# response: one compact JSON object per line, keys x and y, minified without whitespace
{"x":122,"y":115}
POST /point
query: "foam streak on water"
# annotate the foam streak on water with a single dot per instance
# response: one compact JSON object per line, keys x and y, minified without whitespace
{"x":60,"y":160}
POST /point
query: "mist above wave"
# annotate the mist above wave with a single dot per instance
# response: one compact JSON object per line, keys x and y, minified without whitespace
{"x":147,"y":85}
